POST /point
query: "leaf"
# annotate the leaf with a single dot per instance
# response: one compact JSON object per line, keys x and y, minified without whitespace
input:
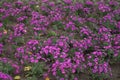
{"x":59,"y":73}
{"x":51,"y":33}
{"x":32,"y":78}
{"x":58,"y":25}
{"x":54,"y":40}
{"x":37,"y":69}
{"x":19,"y":41}
{"x":6,"y":68}
{"x":110,"y":53}
{"x":109,"y":25}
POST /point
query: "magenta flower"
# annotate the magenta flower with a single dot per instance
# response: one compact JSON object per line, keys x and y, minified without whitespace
{"x":1,"y":24}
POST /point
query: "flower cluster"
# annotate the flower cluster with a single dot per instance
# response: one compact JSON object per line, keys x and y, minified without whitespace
{"x":4,"y":76}
{"x":87,"y":37}
{"x":19,"y":29}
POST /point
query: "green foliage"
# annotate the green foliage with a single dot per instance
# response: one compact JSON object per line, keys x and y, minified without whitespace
{"x":109,"y":25}
{"x":3,"y":38}
{"x":6,"y":68}
{"x":19,"y":41}
{"x":79,"y":13}
{"x":98,"y":77}
{"x":37,"y":69}
{"x":71,"y":52}
{"x":54,"y":40}
{"x":117,"y":17}
{"x":61,"y":59}
{"x":36,"y":8}
{"x":51,"y":33}
{"x":50,"y":56}
{"x":110,"y":53}
{"x":59,"y":73}
{"x":31,"y":78}
{"x":116,"y":60}
{"x":58,"y":25}
{"x":8,"y":21}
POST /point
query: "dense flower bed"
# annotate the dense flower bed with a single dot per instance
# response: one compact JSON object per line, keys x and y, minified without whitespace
{"x":60,"y":39}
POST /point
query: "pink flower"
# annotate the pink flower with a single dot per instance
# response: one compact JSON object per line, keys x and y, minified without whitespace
{"x":75,"y":78}
{"x":61,"y":44}
{"x":1,"y":24}
{"x":90,"y":64}
{"x":73,"y":70}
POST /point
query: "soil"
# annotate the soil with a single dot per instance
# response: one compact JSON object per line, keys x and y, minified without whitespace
{"x":115,"y":71}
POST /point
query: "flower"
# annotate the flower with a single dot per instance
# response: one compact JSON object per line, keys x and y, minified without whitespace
{"x":88,"y":2}
{"x":37,"y":6}
{"x":4,"y":76}
{"x":5,"y":31}
{"x":68,"y":1}
{"x":19,"y":29}
{"x":95,"y":29}
{"x":17,"y":77}
{"x":47,"y":78}
{"x":1,"y":24}
{"x":27,"y":68}
{"x":103,"y":7}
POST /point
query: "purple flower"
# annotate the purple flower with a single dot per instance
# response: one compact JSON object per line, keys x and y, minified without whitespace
{"x":22,"y":18}
{"x":45,"y":1}
{"x":4,"y":76}
{"x":19,"y":3}
{"x":71,"y":25}
{"x":85,"y":30}
{"x":61,"y":43}
{"x":118,"y":25}
{"x":88,"y":2}
{"x":62,"y":79}
{"x":1,"y":24}
{"x":113,"y":3}
{"x":52,"y":4}
{"x":68,"y":1}
{"x":19,"y":29}
{"x":103,"y":8}
{"x":75,"y":78}
{"x":90,"y":64}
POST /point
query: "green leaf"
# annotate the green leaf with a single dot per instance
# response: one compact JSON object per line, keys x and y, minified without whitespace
{"x":32,"y":78}
{"x":51,"y":33}
{"x":6,"y":68}
{"x":19,"y":41}
{"x":110,"y":53}
{"x":37,"y":69}
{"x":109,"y":25}
{"x":59,"y":73}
